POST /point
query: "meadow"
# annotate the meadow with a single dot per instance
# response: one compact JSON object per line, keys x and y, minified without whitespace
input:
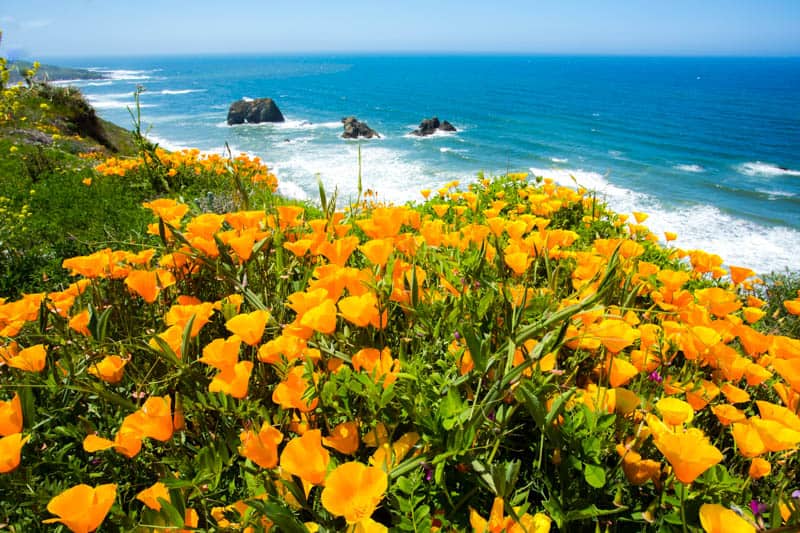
{"x":506,"y":355}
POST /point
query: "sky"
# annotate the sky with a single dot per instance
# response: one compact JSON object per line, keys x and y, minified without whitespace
{"x":91,"y":28}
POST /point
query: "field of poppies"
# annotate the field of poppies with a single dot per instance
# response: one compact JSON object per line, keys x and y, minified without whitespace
{"x":505,"y":356}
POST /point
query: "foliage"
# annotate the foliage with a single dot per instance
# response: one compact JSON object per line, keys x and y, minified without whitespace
{"x":490,"y":358}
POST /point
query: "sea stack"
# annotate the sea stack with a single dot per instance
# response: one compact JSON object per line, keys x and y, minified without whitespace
{"x":354,"y":128}
{"x":254,"y":111}
{"x":429,"y":126}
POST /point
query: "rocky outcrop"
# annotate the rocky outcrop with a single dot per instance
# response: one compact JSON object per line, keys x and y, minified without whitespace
{"x":254,"y":111}
{"x":429,"y":126}
{"x":354,"y":128}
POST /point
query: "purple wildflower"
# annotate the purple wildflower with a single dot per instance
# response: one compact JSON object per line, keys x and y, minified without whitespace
{"x":655,"y":376}
{"x":796,"y":494}
{"x":757,"y":507}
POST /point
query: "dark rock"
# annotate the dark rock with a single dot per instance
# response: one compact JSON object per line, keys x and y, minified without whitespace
{"x":34,"y":136}
{"x":354,"y":128}
{"x":430,"y":125}
{"x":254,"y":111}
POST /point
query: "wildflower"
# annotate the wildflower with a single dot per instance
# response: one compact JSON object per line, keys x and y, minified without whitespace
{"x":10,"y":416}
{"x":689,"y":452}
{"x":362,"y":310}
{"x":354,"y":490}
{"x":31,"y":359}
{"x":110,"y":369}
{"x":290,"y":393}
{"x":674,"y":411}
{"x":718,"y":519}
{"x":249,"y":326}
{"x":234,"y":380}
{"x":305,"y":457}
{"x":261,"y":448}
{"x":343,"y":438}
{"x":321,"y":318}
{"x":10,"y":451}
{"x":655,"y":376}
{"x":82,"y":508}
{"x":759,"y":468}
{"x":150,"y":495}
{"x":497,"y":523}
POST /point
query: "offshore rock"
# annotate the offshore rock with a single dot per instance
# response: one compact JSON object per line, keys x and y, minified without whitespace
{"x":354,"y":128}
{"x":254,"y":111}
{"x":429,"y":126}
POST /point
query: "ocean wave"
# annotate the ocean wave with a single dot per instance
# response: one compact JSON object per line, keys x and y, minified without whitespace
{"x":690,"y":168}
{"x":559,"y":159}
{"x":737,"y":241}
{"x":109,"y":102}
{"x":181,"y":91}
{"x":767,"y":170}
{"x":774,"y":195}
{"x":435,"y":134}
{"x":123,"y":75}
{"x":99,"y":83}
{"x":288,"y":124}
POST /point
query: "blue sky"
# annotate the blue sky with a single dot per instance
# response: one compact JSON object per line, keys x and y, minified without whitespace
{"x":52,"y":28}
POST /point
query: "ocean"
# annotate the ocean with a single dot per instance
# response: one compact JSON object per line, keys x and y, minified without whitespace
{"x":709,"y":147}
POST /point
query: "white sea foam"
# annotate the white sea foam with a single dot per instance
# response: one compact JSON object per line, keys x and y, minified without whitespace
{"x":181,"y":91}
{"x":288,"y":124}
{"x":774,"y":195}
{"x":100,"y":83}
{"x":739,"y":242}
{"x":690,"y":168}
{"x":123,"y":75}
{"x":559,"y":159}
{"x":169,"y":145}
{"x":767,"y":170}
{"x":110,"y":101}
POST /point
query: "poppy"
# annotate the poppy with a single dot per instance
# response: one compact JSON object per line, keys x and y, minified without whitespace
{"x":249,"y":326}
{"x":378,"y":251}
{"x":80,"y":323}
{"x":343,"y":438}
{"x":82,"y":508}
{"x":150,"y":495}
{"x":362,"y":310}
{"x":734,"y":394}
{"x":718,"y":519}
{"x":10,"y":416}
{"x":638,"y":471}
{"x":759,"y":468}
{"x":144,"y":283}
{"x":354,"y":490}
{"x":305,"y":457}
{"x":727,"y":414}
{"x":199,"y":314}
{"x":621,"y":372}
{"x":748,"y":439}
{"x":321,"y":318}
{"x":290,"y":392}
{"x":261,"y":447}
{"x":339,"y":251}
{"x":31,"y":359}
{"x":110,"y":369}
{"x":222,"y":354}
{"x":10,"y":451}
{"x":674,"y":411}
{"x":689,"y":452}
{"x":234,"y":380}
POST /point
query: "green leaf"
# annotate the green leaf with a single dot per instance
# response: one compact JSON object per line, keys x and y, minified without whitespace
{"x":595,"y":475}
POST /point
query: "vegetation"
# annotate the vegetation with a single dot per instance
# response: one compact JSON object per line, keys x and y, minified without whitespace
{"x":509,"y":356}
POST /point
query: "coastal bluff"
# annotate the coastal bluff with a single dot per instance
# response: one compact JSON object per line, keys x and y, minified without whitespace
{"x":254,"y":111}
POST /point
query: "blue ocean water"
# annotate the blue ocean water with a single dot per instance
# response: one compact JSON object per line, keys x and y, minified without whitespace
{"x":709,"y":147}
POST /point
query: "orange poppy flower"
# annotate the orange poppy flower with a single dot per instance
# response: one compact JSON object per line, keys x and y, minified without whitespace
{"x":497,"y":522}
{"x":775,"y":436}
{"x":793,"y":306}
{"x":378,"y":251}
{"x":249,"y":326}
{"x":759,"y":468}
{"x":674,"y":411}
{"x":321,"y":318}
{"x":31,"y":359}
{"x":638,"y":471}
{"x":153,"y":419}
{"x":222,"y":354}
{"x":518,"y":262}
{"x":80,"y":323}
{"x":234,"y":380}
{"x":110,"y":369}
{"x":343,"y":438}
{"x":180,"y":315}
{"x":621,"y":372}
{"x":748,"y":439}
{"x":11,"y":416}
{"x":10,"y":451}
{"x":734,"y":394}
{"x":339,"y":251}
{"x":789,"y":369}
{"x":388,"y":456}
{"x":290,"y":392}
{"x":261,"y":448}
{"x":378,"y":363}
{"x":144,"y":283}
{"x":362,"y":310}
{"x":288,"y":215}
{"x":298,"y":247}
{"x":615,"y":335}
{"x":150,"y":495}
{"x":778,"y":413}
{"x":354,"y":490}
{"x":718,"y":519}
{"x":689,"y":452}
{"x":305,"y":457}
{"x":173,"y":336}
{"x":727,"y":413}
{"x":82,"y":508}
